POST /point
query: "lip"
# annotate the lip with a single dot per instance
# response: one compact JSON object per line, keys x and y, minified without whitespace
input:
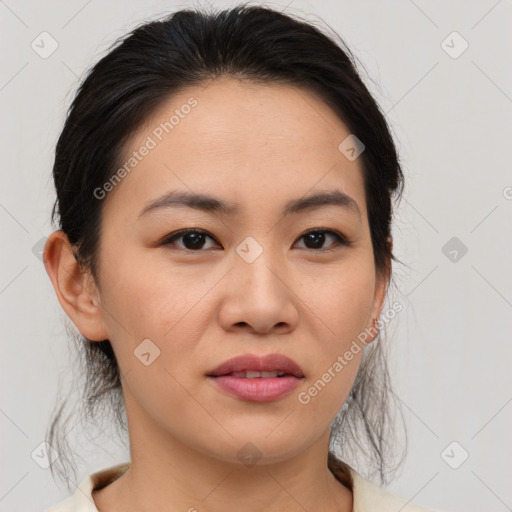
{"x":259,"y":389}
{"x":268,"y":363}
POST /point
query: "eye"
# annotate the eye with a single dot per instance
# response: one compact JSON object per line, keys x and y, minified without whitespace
{"x":194,"y":239}
{"x":317,"y":237}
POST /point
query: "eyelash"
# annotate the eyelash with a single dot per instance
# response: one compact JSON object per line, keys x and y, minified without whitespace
{"x":340,"y":239}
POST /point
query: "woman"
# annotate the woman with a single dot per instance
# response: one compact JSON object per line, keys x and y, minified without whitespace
{"x":224,"y":185}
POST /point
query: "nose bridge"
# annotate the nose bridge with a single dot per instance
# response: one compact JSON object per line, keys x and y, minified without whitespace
{"x":258,"y":265}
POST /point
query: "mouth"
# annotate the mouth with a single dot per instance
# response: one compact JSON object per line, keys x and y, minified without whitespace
{"x":257,"y":379}
{"x":250,"y":366}
{"x":251,"y":374}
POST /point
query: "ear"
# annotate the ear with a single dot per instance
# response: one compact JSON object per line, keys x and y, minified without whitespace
{"x":381,"y":285}
{"x":75,"y":288}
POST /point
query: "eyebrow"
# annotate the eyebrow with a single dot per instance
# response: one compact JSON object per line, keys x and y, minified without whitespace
{"x":210,"y":204}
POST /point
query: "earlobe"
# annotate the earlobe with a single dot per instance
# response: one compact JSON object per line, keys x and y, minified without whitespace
{"x":74,"y":287}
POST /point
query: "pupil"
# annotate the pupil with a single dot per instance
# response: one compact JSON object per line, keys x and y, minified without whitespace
{"x":196,"y":240}
{"x":317,"y":238}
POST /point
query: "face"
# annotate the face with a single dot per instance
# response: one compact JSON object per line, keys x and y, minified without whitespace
{"x":249,"y":281}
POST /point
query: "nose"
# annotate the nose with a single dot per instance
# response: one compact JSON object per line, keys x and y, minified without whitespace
{"x":259,"y":296}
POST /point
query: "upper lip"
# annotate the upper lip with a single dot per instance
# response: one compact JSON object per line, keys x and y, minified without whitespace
{"x":252,"y":362}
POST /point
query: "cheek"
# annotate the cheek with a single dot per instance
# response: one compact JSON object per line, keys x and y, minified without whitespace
{"x":145,"y":297}
{"x":342,"y":297}
{"x":339,"y":307}
{"x":154,"y":337}
{"x":163,"y":305}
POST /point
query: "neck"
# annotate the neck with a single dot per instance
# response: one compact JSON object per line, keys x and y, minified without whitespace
{"x":168,"y":475}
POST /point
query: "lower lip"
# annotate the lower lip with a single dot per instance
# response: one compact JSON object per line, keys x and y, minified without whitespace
{"x":260,"y":389}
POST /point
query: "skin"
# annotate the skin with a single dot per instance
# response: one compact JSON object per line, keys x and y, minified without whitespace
{"x":258,"y":146}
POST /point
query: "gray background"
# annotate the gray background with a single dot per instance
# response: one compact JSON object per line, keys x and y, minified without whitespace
{"x":452,"y":347}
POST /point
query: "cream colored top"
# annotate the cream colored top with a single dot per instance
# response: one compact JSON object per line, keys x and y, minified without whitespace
{"x":367,"y":496}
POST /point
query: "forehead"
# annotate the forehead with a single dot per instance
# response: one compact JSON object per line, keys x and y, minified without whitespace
{"x":233,"y":113}
{"x":245,"y":139}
